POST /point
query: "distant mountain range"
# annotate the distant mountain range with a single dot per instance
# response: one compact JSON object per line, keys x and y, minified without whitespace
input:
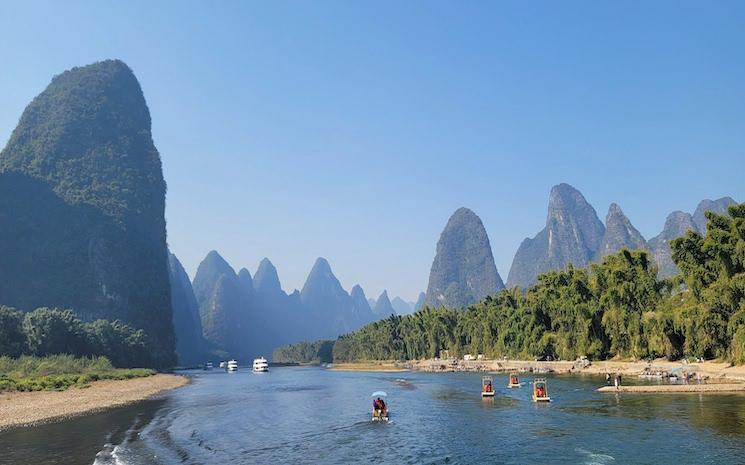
{"x":463,"y":270}
{"x":574,"y":234}
{"x":244,"y":316}
{"x":82,"y":201}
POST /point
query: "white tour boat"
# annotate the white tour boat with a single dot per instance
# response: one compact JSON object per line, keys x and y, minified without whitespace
{"x":261,"y":365}
{"x":233,"y":365}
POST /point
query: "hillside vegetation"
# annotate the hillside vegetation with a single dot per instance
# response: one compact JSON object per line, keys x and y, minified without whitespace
{"x":59,"y":372}
{"x":614,"y":309}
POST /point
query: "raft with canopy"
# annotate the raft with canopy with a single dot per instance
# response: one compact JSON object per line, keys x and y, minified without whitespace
{"x":380,"y":411}
{"x":514,"y":381}
{"x":487,"y":386}
{"x":540,"y":390}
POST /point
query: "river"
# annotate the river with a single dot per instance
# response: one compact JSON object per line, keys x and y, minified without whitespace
{"x":313,"y":415}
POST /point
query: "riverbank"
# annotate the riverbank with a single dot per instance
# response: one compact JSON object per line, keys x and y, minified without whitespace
{"x":676,"y":388}
{"x":19,"y":409}
{"x":715,"y":371}
{"x":385,"y":366}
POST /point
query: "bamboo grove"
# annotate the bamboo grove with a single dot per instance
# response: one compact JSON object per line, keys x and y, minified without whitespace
{"x":615,"y":309}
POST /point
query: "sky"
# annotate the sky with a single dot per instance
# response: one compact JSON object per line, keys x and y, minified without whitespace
{"x":353,"y":130}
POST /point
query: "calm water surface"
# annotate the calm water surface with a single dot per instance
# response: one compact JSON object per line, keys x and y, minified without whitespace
{"x":309,"y":415}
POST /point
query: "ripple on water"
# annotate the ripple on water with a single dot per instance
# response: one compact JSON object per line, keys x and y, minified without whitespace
{"x":592,"y":458}
{"x":318,"y":416}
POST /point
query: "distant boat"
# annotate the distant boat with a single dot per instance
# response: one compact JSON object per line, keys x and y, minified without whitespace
{"x":514,"y":381}
{"x":261,"y":365}
{"x":223,"y":365}
{"x":208,"y":366}
{"x":540,"y":390}
{"x":232,"y":365}
{"x":487,"y":388}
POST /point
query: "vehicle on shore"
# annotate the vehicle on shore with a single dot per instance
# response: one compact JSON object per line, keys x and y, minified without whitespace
{"x":232,"y":366}
{"x":260,"y":365}
{"x":540,"y":390}
{"x":487,"y":386}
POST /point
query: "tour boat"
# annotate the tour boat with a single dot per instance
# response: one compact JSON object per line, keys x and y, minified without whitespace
{"x":261,"y":365}
{"x":540,"y":390}
{"x":514,"y":381}
{"x":487,"y":387}
{"x":232,"y":365}
{"x":208,"y":366}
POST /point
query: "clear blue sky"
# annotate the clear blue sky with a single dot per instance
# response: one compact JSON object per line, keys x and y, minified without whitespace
{"x":353,"y":130}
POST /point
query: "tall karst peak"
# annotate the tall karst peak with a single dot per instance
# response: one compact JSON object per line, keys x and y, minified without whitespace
{"x":463,"y":270}
{"x":383,"y":307}
{"x":186,"y":320}
{"x":718,"y":206}
{"x":266,"y":279}
{"x":619,"y":233}
{"x":321,"y":272}
{"x":401,"y":306}
{"x":247,"y":282}
{"x":321,"y":279}
{"x":676,"y":225}
{"x":420,"y":301}
{"x":326,"y":300}
{"x":573,"y":234}
{"x":360,"y":305}
{"x":211,"y":269}
{"x":214,"y":263}
{"x":90,"y":126}
{"x":86,"y":201}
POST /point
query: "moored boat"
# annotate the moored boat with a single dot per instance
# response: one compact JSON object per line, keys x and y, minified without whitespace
{"x":232,"y":365}
{"x":260,"y":365}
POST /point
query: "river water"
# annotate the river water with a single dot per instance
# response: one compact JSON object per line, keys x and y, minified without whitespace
{"x":312,"y":415}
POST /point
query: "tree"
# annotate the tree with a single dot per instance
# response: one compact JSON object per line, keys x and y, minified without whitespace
{"x":12,"y":338}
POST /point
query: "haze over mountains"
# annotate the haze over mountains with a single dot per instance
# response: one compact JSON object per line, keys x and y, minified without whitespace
{"x":245,"y":316}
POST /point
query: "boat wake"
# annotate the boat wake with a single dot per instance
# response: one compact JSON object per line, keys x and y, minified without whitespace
{"x":592,"y":458}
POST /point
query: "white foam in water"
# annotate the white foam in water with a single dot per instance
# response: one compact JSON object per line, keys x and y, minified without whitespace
{"x":109,"y":455}
{"x":595,"y":459}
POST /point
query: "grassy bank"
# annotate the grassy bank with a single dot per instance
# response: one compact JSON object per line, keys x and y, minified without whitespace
{"x":59,"y":372}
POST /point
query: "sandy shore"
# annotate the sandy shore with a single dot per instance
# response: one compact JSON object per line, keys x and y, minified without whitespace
{"x":31,"y":408}
{"x":369,"y":366}
{"x":676,"y":388}
{"x":716,"y":372}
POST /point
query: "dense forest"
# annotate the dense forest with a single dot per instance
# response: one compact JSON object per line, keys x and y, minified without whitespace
{"x":616,"y":308}
{"x":45,"y":331}
{"x":304,"y":352}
